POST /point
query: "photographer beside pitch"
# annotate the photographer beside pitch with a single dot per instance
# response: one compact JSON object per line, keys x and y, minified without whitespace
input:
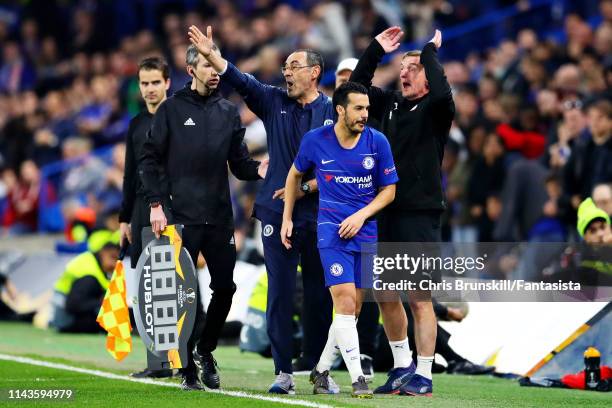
{"x":195,"y":134}
{"x":416,"y":120}
{"x":356,"y":178}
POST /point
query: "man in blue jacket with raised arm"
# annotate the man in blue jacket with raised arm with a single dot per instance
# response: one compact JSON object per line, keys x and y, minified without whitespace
{"x":287,"y":116}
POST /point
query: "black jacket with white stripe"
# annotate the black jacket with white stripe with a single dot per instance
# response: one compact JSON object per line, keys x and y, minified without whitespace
{"x":193,"y":138}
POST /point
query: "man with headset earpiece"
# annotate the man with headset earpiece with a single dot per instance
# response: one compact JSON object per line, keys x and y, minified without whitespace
{"x":195,"y":135}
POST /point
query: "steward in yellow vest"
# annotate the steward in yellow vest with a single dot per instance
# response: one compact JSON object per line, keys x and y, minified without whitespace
{"x":81,"y":288}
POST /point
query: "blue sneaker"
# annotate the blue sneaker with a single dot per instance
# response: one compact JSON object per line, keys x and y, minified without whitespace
{"x":396,"y":378}
{"x":418,"y":386}
{"x":283,"y":384}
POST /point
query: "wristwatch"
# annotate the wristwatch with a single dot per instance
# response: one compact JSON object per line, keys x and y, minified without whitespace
{"x":155,"y":204}
{"x":305,"y":187}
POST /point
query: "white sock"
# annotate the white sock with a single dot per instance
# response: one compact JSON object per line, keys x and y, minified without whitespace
{"x":424,"y":366}
{"x":402,"y":356}
{"x":345,"y":330}
{"x":330,"y":351}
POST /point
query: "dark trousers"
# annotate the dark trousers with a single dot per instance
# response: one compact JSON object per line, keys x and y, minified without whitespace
{"x":409,"y":226}
{"x":281,"y":266}
{"x":217,"y":247}
{"x":367,"y":326}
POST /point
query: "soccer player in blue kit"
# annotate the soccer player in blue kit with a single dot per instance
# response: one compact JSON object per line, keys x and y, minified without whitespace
{"x":356,"y":177}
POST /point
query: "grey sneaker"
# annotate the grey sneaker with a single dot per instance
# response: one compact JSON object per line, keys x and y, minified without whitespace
{"x":283,"y":384}
{"x":360,"y":389}
{"x":323,"y":383}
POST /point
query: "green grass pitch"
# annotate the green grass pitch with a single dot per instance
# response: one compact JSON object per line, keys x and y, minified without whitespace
{"x":244,"y":372}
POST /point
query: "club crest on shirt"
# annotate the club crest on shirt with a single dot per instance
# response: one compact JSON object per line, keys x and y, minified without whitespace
{"x":328,"y":122}
{"x":368,"y":162}
{"x":336,"y":269}
{"x":268,"y":230}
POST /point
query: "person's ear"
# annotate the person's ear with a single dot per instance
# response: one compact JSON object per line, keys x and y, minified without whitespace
{"x":190,"y":70}
{"x":340,"y":110}
{"x":316,"y":71}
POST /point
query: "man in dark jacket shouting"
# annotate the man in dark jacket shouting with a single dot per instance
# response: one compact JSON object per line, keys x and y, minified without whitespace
{"x":416,"y":120}
{"x":194,"y":135}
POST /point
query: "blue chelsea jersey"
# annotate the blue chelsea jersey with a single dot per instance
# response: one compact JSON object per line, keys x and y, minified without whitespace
{"x":348,"y":180}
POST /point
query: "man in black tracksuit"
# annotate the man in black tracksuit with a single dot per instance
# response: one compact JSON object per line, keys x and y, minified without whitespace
{"x":416,"y":121}
{"x":153,"y":82}
{"x":195,"y":134}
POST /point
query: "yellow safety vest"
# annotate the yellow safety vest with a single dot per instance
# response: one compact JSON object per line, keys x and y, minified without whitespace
{"x":83,"y":265}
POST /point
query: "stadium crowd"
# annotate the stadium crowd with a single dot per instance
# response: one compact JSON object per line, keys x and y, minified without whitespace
{"x":530,"y":140}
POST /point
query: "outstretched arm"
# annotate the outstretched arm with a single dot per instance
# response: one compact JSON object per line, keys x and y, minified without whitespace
{"x":439,"y":88}
{"x":255,"y":94}
{"x":385,"y":42}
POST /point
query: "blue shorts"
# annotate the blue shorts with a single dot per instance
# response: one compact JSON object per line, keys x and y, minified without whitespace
{"x":342,"y":266}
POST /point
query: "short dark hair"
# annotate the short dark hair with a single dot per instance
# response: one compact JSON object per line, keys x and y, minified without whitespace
{"x":157,"y":63}
{"x":342,"y":92}
{"x":314,"y":58}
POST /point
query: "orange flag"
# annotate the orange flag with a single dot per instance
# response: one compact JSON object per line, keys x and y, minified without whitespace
{"x":114,"y":316}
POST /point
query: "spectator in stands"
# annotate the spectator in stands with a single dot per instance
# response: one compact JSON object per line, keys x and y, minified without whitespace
{"x":99,"y":118}
{"x":16,"y":75}
{"x":21,"y":215}
{"x":589,"y":263}
{"x":467,"y":116}
{"x":486,"y":181}
{"x":602,"y":196}
{"x":24,"y":117}
{"x":85,"y":172}
{"x":108,"y":198}
{"x":590,"y":162}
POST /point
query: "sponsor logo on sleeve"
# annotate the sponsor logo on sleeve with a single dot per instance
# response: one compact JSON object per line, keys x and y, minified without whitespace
{"x":389,"y":170}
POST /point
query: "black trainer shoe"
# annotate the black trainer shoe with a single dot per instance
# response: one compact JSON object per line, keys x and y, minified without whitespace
{"x":208,"y":369}
{"x":146,"y":373}
{"x":360,"y":389}
{"x":467,"y":367}
{"x":323,"y":383}
{"x":191,"y":383}
{"x":437,"y":368}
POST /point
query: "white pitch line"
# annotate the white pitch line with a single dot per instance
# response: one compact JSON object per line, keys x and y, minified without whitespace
{"x":112,"y":376}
